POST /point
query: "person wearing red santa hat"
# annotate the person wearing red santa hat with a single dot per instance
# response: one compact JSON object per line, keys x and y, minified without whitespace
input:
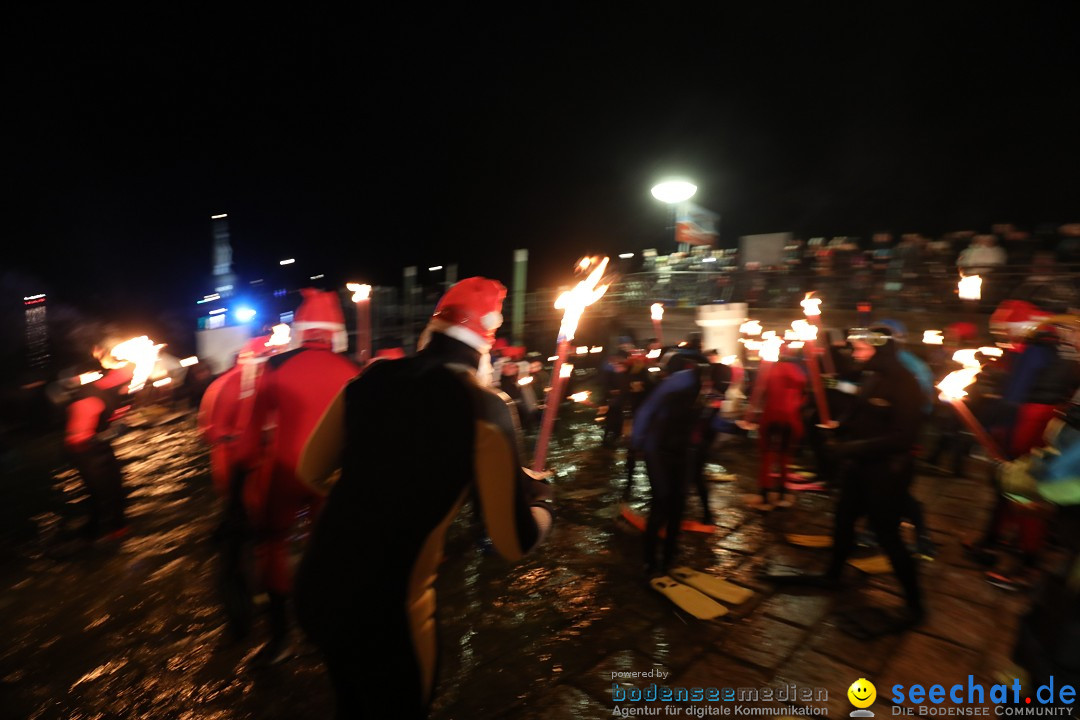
{"x":223,"y":414}
{"x":365,"y":588}
{"x":291,"y":396}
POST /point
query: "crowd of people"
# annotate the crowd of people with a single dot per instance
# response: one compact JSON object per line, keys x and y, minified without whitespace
{"x":303,"y":429}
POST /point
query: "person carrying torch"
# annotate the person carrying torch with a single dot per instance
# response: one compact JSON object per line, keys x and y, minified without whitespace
{"x":875,"y":441}
{"x":414,"y":438}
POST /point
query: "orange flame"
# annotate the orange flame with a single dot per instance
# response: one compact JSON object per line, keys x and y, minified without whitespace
{"x":87,"y":378}
{"x":750,"y":327}
{"x":525,"y":380}
{"x":279,"y":335}
{"x":967,"y":359}
{"x":811,"y":305}
{"x":566,"y":370}
{"x":657,"y":311}
{"x":360,"y":292}
{"x":932,"y":337}
{"x":969,"y":288}
{"x":143,"y":353}
{"x":770,"y":349}
{"x":804,"y":331}
{"x":580,"y":396}
{"x":573,"y":302}
{"x":952,"y":387}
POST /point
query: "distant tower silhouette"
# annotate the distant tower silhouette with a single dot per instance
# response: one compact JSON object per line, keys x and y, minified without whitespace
{"x":224,"y":278}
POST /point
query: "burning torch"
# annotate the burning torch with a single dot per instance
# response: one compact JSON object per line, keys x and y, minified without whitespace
{"x":812,"y":309}
{"x":807,"y":333}
{"x":362,"y":298}
{"x":952,"y":392}
{"x":969,"y":288}
{"x":573,"y":304}
{"x":657,"y":311}
{"x":769,"y":353}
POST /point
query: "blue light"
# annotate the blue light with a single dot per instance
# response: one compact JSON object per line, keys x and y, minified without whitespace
{"x":244,"y":314}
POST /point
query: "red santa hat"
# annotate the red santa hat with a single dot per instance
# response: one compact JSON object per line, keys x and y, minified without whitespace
{"x":319,"y":320}
{"x":470,"y":312}
{"x":1016,"y":318}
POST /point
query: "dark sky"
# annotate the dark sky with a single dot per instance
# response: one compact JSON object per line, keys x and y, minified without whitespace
{"x":400,"y":136}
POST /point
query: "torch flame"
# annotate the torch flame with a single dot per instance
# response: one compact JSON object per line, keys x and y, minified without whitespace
{"x":750,"y":327}
{"x":728,"y":360}
{"x":992,"y":351}
{"x":566,"y":370}
{"x":657,"y":310}
{"x":142,"y":352}
{"x":583,"y":350}
{"x":525,"y":380}
{"x":970,"y":287}
{"x":279,"y":336}
{"x":932,"y":337}
{"x":163,"y":382}
{"x":580,"y":396}
{"x":189,"y":361}
{"x":573,"y":302}
{"x":952,"y":387}
{"x":596,"y":349}
{"x":804,"y":331}
{"x":653,"y":354}
{"x":360,"y":292}
{"x":811,"y":305}
{"x":768,"y":335}
{"x":967,"y":359}
{"x":770,"y":349}
{"x":87,"y":378}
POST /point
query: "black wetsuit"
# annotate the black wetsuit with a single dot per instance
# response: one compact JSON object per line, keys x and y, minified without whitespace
{"x":418,"y":434}
{"x":879,"y":435}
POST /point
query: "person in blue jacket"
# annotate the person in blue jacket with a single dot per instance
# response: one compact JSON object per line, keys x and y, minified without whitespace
{"x":664,"y":430}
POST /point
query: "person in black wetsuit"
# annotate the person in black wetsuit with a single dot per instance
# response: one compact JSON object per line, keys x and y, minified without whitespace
{"x":365,"y":588}
{"x":874,"y":449}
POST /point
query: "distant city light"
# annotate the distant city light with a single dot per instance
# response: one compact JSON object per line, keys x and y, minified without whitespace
{"x":218,"y":217}
{"x":433,"y":268}
{"x":224,"y":288}
{"x":625,"y":256}
{"x":189,"y":361}
{"x":317,"y":277}
{"x":218,"y":311}
{"x":288,"y":261}
{"x":244,"y":314}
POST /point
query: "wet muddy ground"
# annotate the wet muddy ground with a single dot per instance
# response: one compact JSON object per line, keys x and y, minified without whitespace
{"x":133,"y":629}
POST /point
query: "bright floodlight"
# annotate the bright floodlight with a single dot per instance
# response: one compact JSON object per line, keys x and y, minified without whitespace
{"x":245,"y":314}
{"x":674,"y":191}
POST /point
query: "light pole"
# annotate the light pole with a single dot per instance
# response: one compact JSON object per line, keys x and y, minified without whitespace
{"x":673,"y":192}
{"x":362,"y":298}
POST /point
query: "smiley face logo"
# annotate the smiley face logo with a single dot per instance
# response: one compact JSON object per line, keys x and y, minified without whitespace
{"x":862,"y":693}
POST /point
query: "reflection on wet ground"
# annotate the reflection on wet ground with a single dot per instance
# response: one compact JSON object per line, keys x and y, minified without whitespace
{"x":133,"y":630}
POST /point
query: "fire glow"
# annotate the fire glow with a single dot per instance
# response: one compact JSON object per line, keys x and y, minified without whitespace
{"x":573,"y":302}
{"x":932,"y":337}
{"x":143,"y":353}
{"x":280,"y":335}
{"x":811,"y":305}
{"x":657,"y":311}
{"x":580,"y":397}
{"x":750,"y":327}
{"x":360,"y":292}
{"x":970,"y":288}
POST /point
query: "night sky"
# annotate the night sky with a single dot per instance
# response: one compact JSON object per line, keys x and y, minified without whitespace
{"x":363,"y":144}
